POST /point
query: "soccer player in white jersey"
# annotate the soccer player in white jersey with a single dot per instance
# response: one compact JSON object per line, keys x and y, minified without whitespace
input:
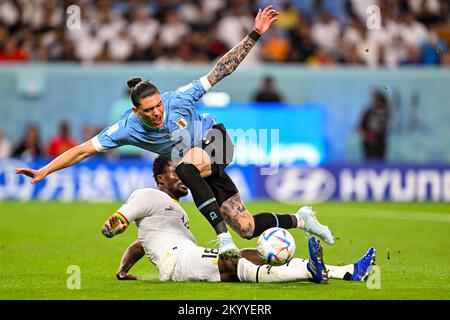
{"x":164,"y":236}
{"x":169,"y":125}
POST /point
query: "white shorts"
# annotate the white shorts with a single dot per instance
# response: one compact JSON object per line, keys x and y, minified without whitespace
{"x":196,"y":263}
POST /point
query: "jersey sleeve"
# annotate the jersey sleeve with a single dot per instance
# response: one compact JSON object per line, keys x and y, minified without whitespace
{"x":195,"y":90}
{"x":110,"y":138}
{"x":139,"y":205}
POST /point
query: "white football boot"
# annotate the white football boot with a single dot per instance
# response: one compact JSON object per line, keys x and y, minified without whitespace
{"x":227,"y":247}
{"x":308,"y":215}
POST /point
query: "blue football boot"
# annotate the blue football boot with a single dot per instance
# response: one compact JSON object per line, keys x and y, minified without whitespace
{"x":315,"y":265}
{"x":363,"y":266}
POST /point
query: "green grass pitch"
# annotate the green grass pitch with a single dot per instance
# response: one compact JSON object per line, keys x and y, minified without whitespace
{"x":39,"y":241}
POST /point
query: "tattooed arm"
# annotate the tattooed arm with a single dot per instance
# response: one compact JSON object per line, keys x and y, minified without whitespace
{"x":230,"y":61}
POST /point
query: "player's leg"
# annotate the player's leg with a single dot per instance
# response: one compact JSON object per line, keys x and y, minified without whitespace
{"x":190,"y":170}
{"x":219,"y":147}
{"x":251,"y":268}
{"x":296,"y":270}
{"x":228,"y":268}
{"x":358,"y":271}
{"x":250,"y":226}
{"x":237,"y":216}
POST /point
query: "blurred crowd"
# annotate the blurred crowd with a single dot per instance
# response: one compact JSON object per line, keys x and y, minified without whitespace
{"x":31,"y":146}
{"x":315,"y":32}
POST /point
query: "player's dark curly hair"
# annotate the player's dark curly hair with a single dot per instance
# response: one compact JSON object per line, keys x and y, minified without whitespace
{"x":140,"y":89}
{"x":160,"y":166}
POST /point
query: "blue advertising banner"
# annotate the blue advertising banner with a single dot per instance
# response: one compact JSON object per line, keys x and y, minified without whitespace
{"x":398,"y":183}
{"x":103,"y":180}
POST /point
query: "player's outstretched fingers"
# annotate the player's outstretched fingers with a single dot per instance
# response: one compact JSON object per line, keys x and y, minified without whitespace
{"x":269,"y":7}
{"x":273,"y":13}
{"x":25,"y":171}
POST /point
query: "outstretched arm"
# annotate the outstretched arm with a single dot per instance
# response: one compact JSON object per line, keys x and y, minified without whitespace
{"x":132,"y":255}
{"x":68,"y":158}
{"x":230,"y":61}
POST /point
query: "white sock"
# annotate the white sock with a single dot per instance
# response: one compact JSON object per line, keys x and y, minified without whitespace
{"x":226,"y":234}
{"x":339,"y":272}
{"x":300,"y":222}
{"x":293,"y":271}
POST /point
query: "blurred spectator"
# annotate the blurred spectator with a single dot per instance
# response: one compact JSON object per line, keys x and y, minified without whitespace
{"x":89,"y":47}
{"x":276,"y":47}
{"x":325,"y":32}
{"x":373,"y":127}
{"x":61,"y":142}
{"x":414,"y":33}
{"x":5,"y":146}
{"x":432,"y":49}
{"x":427,"y":11}
{"x":143,"y":29}
{"x":302,"y":44}
{"x":267,"y":92}
{"x":173,"y":30}
{"x":13,"y":52}
{"x":215,"y":48}
{"x":110,"y":25}
{"x":195,"y":14}
{"x":289,"y":17}
{"x":88,"y":131}
{"x":320,"y":58}
{"x":234,"y":24}
{"x":29,"y":147}
{"x":121,"y":47}
{"x":359,"y":8}
{"x":445,"y":59}
{"x":10,"y":15}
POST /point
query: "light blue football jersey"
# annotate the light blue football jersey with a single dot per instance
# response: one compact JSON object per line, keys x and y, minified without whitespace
{"x":182,"y":129}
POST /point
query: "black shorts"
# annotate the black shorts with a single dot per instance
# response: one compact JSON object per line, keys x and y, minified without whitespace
{"x":220,"y":149}
{"x":218,"y":145}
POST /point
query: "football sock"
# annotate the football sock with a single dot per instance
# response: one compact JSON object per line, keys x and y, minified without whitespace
{"x":265,"y":220}
{"x":293,"y":271}
{"x":340,"y":272}
{"x":202,"y":195}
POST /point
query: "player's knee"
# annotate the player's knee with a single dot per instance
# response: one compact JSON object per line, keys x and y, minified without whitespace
{"x":228,"y":270}
{"x":245,"y":232}
{"x":187,"y":169}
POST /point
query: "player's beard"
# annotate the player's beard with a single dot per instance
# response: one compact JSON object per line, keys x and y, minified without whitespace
{"x":179,"y":191}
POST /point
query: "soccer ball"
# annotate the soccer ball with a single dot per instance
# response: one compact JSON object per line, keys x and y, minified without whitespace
{"x":276,"y":246}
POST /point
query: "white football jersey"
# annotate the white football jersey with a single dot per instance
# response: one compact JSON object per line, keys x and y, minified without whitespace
{"x":162,"y":223}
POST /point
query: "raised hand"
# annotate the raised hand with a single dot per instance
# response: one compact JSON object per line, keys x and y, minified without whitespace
{"x":265,"y":18}
{"x":37,"y":175}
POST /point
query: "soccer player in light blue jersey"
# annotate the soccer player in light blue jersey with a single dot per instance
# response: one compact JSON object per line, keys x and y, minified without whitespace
{"x":169,"y":125}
